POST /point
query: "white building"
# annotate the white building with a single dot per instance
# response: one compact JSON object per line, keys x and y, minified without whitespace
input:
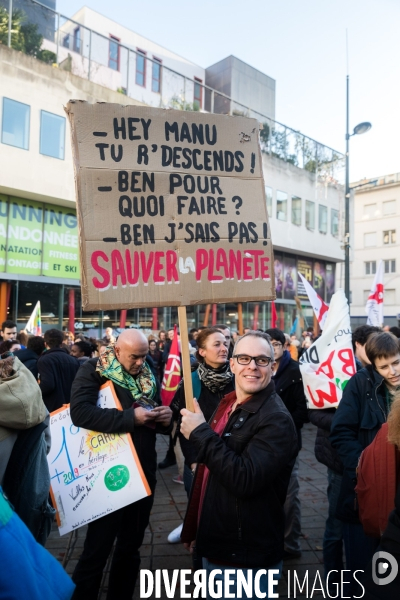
{"x":304,"y":196}
{"x":376,"y":231}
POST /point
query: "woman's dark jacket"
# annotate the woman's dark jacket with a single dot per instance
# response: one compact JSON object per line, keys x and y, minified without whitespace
{"x":324,"y":451}
{"x":359,"y":416}
{"x":208,"y":402}
{"x":242,"y":520}
{"x":289,"y":386}
{"x":29,"y":359}
{"x":85,"y":413}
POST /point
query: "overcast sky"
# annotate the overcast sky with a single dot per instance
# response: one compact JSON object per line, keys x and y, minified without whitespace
{"x":302,"y":45}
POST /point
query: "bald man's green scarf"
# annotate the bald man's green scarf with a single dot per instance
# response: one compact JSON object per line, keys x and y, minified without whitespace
{"x":143,"y":385}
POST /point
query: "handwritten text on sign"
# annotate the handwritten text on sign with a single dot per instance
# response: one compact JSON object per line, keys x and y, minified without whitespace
{"x":92,"y":473}
{"x":169,"y":197}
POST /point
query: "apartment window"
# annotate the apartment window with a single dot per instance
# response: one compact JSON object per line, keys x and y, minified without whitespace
{"x":370,"y":267}
{"x":389,"y":208}
{"x":65,"y":41}
{"x":268,"y":196}
{"x":323,"y":219}
{"x":140,"y":68}
{"x":113,"y":53}
{"x":198,"y":93}
{"x":296,"y":210}
{"x":390,"y":266}
{"x":310,"y":214}
{"x":77,"y":39}
{"x":15,"y":126}
{"x":369,"y":239}
{"x":370,"y":211}
{"x":281,"y":206}
{"x":334,"y":222}
{"x":389,"y":237}
{"x":52,"y":135}
{"x":156,"y":75}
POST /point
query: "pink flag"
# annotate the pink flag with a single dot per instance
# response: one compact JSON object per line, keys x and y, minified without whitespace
{"x":374,"y":306}
{"x":274,"y":316}
{"x":319,"y":306}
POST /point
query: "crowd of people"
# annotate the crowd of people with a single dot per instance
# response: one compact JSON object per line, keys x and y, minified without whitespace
{"x":237,"y":454}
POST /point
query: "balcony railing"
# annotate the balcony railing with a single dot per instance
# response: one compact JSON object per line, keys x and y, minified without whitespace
{"x":108,"y":62}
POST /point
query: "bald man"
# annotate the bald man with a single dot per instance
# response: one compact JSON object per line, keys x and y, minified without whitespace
{"x":123,"y":363}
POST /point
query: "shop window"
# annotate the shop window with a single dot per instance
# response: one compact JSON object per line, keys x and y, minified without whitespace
{"x":52,"y":135}
{"x":334,"y":222}
{"x":156,"y":75}
{"x":268,"y":197}
{"x":310,"y":215}
{"x":15,"y":126}
{"x":281,"y":206}
{"x":140,"y":78}
{"x":113,"y":53}
{"x":296,"y":210}
{"x":198,"y":93}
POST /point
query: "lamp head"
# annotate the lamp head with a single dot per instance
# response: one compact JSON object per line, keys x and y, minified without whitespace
{"x":362,"y":128}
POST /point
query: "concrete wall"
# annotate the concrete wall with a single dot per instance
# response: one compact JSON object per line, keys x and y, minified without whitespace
{"x":245,"y":84}
{"x":374,"y":221}
{"x":285,"y":177}
{"x":27,"y":173}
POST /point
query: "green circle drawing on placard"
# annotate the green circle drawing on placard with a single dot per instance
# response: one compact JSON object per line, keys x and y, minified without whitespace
{"x":116,"y":478}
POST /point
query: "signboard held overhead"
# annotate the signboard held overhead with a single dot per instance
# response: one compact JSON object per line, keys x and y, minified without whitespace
{"x":171,"y":207}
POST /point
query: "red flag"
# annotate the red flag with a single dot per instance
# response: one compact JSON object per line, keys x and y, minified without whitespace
{"x":172,"y":373}
{"x":274,"y":316}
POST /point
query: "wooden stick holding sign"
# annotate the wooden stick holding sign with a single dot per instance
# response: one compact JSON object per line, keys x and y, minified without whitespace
{"x":187,"y":372}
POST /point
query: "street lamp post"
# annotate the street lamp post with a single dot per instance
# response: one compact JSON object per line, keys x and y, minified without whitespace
{"x":358,"y":130}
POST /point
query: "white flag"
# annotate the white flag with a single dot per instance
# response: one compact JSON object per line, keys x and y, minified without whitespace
{"x":34,"y":325}
{"x":319,"y":306}
{"x":374,"y":306}
{"x":328,"y":364}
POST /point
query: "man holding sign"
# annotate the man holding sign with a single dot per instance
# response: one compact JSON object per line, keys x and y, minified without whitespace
{"x":138,"y":392}
{"x":235,"y":512}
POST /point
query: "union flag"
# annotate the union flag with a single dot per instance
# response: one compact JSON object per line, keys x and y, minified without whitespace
{"x":172,"y":372}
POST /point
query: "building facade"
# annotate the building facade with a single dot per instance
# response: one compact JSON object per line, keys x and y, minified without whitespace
{"x":376,"y":231}
{"x":39,"y":257}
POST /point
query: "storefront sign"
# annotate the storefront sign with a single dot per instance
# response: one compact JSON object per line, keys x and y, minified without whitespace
{"x":38,"y":239}
{"x":171,"y":207}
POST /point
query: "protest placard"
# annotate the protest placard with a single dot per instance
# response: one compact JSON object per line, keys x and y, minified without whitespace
{"x":171,"y":204}
{"x":92,"y":474}
{"x":329,"y":363}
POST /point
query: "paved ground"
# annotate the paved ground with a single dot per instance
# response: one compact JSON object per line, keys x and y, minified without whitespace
{"x":169,"y":509}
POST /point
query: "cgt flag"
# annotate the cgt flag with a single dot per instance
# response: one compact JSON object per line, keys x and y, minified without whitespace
{"x":34,"y":325}
{"x":172,"y":373}
{"x":374,"y":306}
{"x":320,"y":308}
{"x":328,"y":364}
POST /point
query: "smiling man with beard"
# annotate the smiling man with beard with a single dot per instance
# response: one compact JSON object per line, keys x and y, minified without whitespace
{"x":246,"y":453}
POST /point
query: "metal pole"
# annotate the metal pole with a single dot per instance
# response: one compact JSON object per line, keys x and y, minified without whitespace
{"x":60,"y":306}
{"x":58,"y":36}
{"x":127,"y":75}
{"x":10,"y":4}
{"x":347,"y":205}
{"x":90,"y":52}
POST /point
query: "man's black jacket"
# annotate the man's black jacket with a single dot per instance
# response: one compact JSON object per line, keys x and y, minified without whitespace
{"x":324,"y":451}
{"x":242,"y":520}
{"x":85,"y":413}
{"x":289,"y":387}
{"x":57,"y":370}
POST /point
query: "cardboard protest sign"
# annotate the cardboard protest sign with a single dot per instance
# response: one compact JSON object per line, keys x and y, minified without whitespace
{"x":171,"y":204}
{"x":92,"y":474}
{"x":329,"y":363}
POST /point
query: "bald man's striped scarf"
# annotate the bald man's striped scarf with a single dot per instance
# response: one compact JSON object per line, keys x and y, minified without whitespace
{"x":144,"y":384}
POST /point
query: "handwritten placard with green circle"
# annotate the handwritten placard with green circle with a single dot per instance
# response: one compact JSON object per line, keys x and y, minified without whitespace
{"x":116,"y":478}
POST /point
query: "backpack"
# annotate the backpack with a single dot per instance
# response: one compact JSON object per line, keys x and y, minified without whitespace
{"x":376,"y":483}
{"x":27,"y":482}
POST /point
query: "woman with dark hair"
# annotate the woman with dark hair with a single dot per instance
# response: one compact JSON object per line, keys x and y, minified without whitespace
{"x":82,"y":350}
{"x":212,"y":380}
{"x":156,"y":356}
